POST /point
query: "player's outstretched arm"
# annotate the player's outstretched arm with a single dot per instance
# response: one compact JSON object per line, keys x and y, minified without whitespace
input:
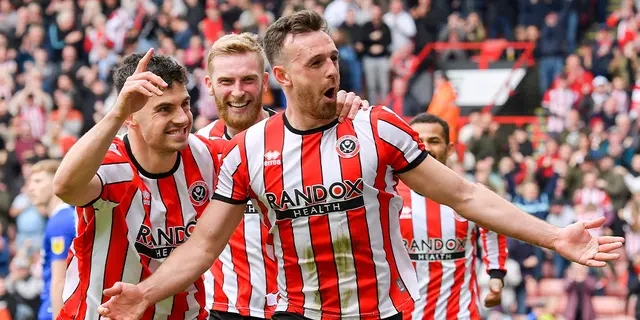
{"x":75,"y":181}
{"x":479,"y":204}
{"x":183,"y":266}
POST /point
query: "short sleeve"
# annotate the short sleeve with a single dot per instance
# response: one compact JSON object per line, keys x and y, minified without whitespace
{"x":233,"y":180}
{"x":401,"y":145}
{"x":115,"y":174}
{"x":61,"y":235}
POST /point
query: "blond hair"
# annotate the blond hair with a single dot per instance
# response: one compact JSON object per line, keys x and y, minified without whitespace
{"x":49,"y":166}
{"x":232,"y":44}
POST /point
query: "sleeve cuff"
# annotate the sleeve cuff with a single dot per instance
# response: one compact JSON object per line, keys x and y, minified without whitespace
{"x":229,"y":200}
{"x":99,"y":196}
{"x":497,"y":274}
{"x":414,"y":163}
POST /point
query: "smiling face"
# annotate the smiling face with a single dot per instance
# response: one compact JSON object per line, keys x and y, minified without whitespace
{"x":237,"y":82}
{"x":165,"y":121}
{"x":311,"y":73}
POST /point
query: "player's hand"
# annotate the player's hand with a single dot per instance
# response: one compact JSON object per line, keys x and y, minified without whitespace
{"x":138,"y":88}
{"x":575,"y":243}
{"x":352,"y":102}
{"x":494,"y":298}
{"x":126,"y":303}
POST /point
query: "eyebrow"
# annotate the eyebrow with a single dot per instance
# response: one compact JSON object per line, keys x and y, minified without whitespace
{"x":167,"y":104}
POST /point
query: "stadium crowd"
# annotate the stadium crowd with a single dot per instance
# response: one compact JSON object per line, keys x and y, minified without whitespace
{"x":56,"y":59}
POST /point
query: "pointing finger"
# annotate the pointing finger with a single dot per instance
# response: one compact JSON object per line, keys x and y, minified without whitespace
{"x":142,"y":65}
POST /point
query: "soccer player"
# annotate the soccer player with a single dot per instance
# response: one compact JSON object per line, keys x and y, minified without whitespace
{"x":327,"y":190}
{"x":138,"y":195}
{"x":244,"y":276}
{"x":58,"y":235}
{"x":442,"y":244}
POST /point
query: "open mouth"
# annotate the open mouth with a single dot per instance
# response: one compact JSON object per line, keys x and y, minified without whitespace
{"x":177,"y":132}
{"x":330,"y":93}
{"x":238,"y":105}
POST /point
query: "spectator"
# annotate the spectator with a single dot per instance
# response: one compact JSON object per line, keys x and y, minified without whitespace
{"x":25,"y":286}
{"x":559,"y":101}
{"x":401,"y":25}
{"x":580,"y":287}
{"x":336,"y":12}
{"x":552,"y":49}
{"x":400,"y":101}
{"x":443,"y":103}
{"x":376,"y":42}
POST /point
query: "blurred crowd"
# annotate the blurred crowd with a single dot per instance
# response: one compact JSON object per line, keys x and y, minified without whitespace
{"x":56,"y":59}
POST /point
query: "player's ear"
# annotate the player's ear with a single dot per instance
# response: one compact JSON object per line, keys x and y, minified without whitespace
{"x":131,"y":121}
{"x":450,"y":149}
{"x":281,"y":76}
{"x":265,"y":80}
{"x":209,"y":83}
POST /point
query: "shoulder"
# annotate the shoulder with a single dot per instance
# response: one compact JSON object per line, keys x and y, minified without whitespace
{"x":214,"y":129}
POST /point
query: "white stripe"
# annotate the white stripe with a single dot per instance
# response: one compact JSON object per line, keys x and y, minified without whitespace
{"x":403,"y":262}
{"x":448,"y":231}
{"x":292,"y":179}
{"x":103,"y":220}
{"x":209,"y":289}
{"x":230,"y":283}
{"x":338,"y":224}
{"x":205,"y":167}
{"x":206,"y":131}
{"x":72,"y":278}
{"x":134,"y":219}
{"x":115,"y":173}
{"x":257,"y":273}
{"x":419,"y":222}
{"x":204,"y":160}
{"x":369,"y":166}
{"x":400,"y":139}
{"x":492,"y":249}
{"x":158,"y":221}
{"x":228,"y":167}
{"x":283,"y":302}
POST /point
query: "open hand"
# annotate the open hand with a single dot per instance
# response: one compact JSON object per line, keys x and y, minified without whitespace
{"x":575,"y":243}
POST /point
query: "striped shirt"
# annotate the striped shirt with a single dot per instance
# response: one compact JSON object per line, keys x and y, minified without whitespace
{"x":243,"y":278}
{"x":135,"y":223}
{"x":330,"y":203}
{"x":442,"y":245}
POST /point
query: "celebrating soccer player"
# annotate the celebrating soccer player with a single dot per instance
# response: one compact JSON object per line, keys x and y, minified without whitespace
{"x":244,"y":276}
{"x":442,"y":244}
{"x":327,"y":190}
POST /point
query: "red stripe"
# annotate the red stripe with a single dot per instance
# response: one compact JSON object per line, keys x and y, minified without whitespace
{"x":502,"y":251}
{"x":221,"y":302}
{"x":241,"y":267}
{"x":360,"y":238}
{"x":434,"y":231}
{"x":398,"y":296}
{"x":453,"y":305}
{"x":319,"y":230}
{"x":473,"y":308}
{"x":274,"y":183}
{"x":406,"y":228}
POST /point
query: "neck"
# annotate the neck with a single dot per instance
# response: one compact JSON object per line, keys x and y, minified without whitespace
{"x":263,"y":114}
{"x":55,"y":201}
{"x":302,"y":121}
{"x":150,"y":160}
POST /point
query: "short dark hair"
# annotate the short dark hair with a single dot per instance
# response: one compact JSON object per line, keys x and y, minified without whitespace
{"x":429,"y":118}
{"x":163,"y":66}
{"x":299,"y":22}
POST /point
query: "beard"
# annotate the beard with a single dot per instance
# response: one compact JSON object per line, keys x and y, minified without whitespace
{"x":312,"y":103}
{"x":241,"y":121}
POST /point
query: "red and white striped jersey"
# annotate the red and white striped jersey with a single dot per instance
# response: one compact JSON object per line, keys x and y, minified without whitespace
{"x":135,"y":223}
{"x":331,"y":206}
{"x":243,"y":278}
{"x":442,"y":245}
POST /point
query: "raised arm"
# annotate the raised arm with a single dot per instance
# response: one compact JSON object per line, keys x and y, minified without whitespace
{"x":479,"y":204}
{"x":76,"y":182}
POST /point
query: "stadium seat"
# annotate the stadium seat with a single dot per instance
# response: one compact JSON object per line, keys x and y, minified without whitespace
{"x":608,"y":306}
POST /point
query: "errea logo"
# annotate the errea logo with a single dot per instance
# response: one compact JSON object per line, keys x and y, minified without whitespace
{"x":272,"y":158}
